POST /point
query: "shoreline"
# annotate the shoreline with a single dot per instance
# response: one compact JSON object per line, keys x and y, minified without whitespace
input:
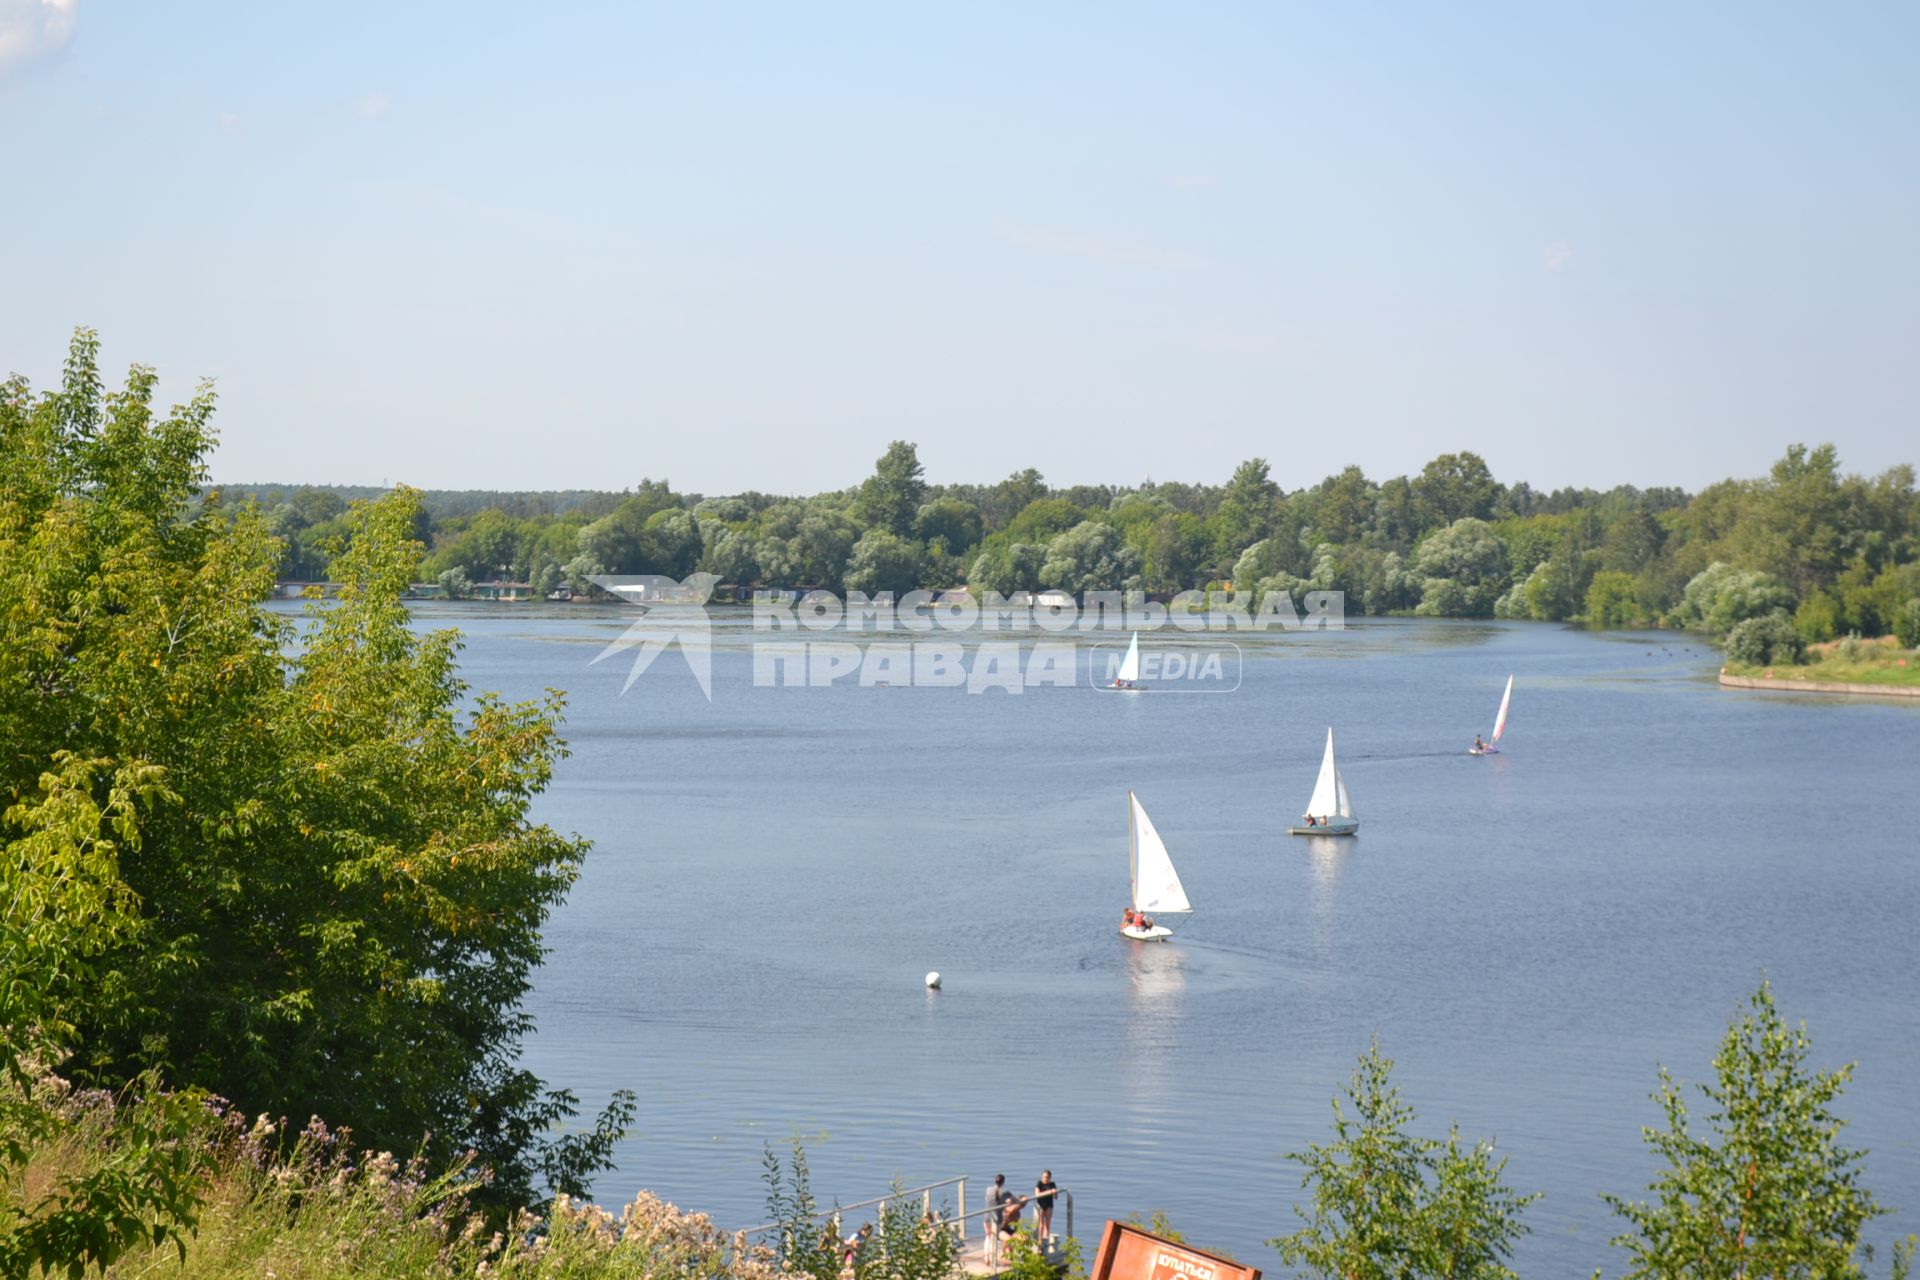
{"x":1852,"y":688}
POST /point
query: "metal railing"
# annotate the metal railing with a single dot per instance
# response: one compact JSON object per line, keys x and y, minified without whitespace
{"x":988,"y":1214}
{"x":990,"y":1251}
{"x":838,"y":1211}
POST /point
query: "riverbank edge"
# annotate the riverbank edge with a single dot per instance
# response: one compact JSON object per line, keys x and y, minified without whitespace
{"x":1820,"y":686}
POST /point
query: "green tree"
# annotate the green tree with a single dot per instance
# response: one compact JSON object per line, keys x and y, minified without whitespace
{"x":1007,"y":569}
{"x":805,"y":544}
{"x":1345,"y":504}
{"x":1176,"y":551}
{"x":1453,"y":487}
{"x":890,"y":497}
{"x":456,"y":583}
{"x":65,"y":906}
{"x":1089,"y":557}
{"x":1631,"y":541}
{"x":1264,"y":559}
{"x":1246,"y":508}
{"x":1767,"y":1189}
{"x":1387,"y":1205}
{"x":954,"y":524}
{"x":731,"y":555}
{"x":1906,"y":624}
{"x":1611,"y":601}
{"x":1011,"y":496}
{"x":1463,"y":569}
{"x":671,"y":544}
{"x":881,"y":562}
{"x":1771,"y":639}
{"x":339,"y":910}
{"x":1818,"y":618}
{"x":1720,"y":597}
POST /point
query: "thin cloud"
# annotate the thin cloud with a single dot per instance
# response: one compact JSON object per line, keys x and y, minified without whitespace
{"x":229,"y":120}
{"x":1189,"y":181}
{"x":32,"y":31}
{"x":1558,"y":255}
{"x":373,"y":105}
{"x":1092,"y":246}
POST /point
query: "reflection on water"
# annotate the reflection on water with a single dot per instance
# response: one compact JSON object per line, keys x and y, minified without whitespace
{"x":1156,"y":975}
{"x":1154,"y":1037}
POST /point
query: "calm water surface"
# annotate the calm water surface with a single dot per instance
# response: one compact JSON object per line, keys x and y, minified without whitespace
{"x":1530,"y":936}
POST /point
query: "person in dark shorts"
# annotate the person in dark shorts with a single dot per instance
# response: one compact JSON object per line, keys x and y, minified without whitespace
{"x":1043,"y":1193}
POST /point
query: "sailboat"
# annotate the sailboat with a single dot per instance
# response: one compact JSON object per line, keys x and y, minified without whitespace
{"x":1156,"y":885}
{"x":1128,"y":676}
{"x":1488,"y":748}
{"x":1331,"y":809}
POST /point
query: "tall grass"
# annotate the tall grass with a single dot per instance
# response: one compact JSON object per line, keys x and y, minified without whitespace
{"x":310,"y":1206}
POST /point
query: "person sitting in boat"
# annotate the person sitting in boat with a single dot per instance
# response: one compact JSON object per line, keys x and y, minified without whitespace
{"x":1477,"y":744}
{"x":1143,"y":920}
{"x":1127,"y":918}
{"x":1312,"y":821}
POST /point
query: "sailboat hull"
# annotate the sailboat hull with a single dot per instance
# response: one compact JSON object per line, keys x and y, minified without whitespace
{"x":1159,"y":933}
{"x":1483,"y":751}
{"x":1331,"y":827}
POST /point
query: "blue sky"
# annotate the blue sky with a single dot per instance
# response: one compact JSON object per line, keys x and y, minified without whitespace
{"x":740,"y":246}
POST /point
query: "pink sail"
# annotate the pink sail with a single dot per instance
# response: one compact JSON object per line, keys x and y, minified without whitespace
{"x":1500,"y":721}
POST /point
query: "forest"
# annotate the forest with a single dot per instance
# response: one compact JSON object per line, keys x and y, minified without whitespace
{"x":1837,"y":554}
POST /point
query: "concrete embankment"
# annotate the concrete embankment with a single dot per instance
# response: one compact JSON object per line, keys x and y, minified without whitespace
{"x":1820,"y":686}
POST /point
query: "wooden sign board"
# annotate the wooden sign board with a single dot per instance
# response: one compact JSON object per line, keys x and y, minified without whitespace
{"x":1128,"y":1253}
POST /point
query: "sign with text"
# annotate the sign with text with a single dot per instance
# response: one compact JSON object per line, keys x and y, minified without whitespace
{"x":1128,"y":1253}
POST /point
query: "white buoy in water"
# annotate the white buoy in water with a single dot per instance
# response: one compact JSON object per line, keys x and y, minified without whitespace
{"x":933,"y":980}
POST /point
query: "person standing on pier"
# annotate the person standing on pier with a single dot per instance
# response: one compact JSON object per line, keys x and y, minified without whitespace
{"x":1043,"y":1193}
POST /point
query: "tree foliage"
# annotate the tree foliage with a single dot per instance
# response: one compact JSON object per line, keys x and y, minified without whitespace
{"x":1844,"y":548}
{"x":1906,"y":626}
{"x":1771,"y":639}
{"x":1766,"y":1188}
{"x":339,"y":888}
{"x":1388,"y":1205}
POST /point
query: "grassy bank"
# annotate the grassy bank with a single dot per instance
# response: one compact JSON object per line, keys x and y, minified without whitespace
{"x":1880,"y":661}
{"x":316,"y":1208}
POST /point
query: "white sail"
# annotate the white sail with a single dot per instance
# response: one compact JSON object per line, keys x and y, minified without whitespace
{"x":1156,"y":886}
{"x":1340,"y":789}
{"x":1329,"y":792}
{"x":1130,"y":665}
{"x":1500,"y":721}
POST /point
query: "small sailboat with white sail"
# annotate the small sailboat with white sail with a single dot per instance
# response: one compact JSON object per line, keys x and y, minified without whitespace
{"x":1487,"y":747}
{"x":1128,"y":676}
{"x":1156,"y":885}
{"x":1330,"y":811}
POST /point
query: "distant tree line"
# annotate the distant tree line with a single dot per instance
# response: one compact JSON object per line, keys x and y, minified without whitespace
{"x":1833,"y":553}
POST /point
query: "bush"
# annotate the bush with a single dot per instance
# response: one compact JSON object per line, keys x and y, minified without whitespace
{"x":1610,"y":600}
{"x":1767,"y":641}
{"x":1817,"y":618}
{"x":1721,"y":597}
{"x":1906,"y":624}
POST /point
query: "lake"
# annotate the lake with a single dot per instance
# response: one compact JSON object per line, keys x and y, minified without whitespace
{"x":1530,"y":936}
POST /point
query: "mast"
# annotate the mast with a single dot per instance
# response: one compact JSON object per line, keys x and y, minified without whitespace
{"x":1133,"y":871}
